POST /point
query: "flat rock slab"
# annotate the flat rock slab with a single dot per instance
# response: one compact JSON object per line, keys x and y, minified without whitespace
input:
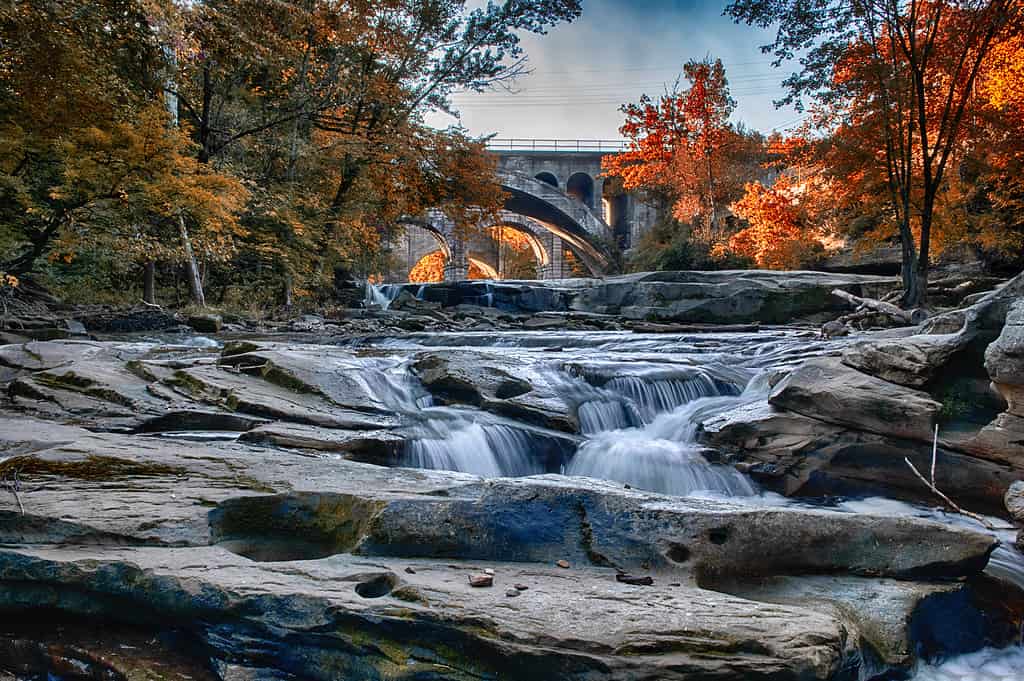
{"x":120,"y":488}
{"x":349,"y":617}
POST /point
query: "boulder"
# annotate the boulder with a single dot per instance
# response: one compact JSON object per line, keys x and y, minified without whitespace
{"x":1001,"y":440}
{"x":913,"y":361}
{"x":902,"y":621}
{"x":1004,"y":360}
{"x":206,"y":323}
{"x":700,"y":297}
{"x":727,"y":297}
{"x":797,"y":455}
{"x":497,"y":384}
{"x":828,"y":390}
{"x":129,"y":321}
{"x":1015,"y":501}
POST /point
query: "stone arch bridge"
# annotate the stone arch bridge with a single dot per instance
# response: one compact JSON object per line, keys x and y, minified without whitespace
{"x":557,"y":202}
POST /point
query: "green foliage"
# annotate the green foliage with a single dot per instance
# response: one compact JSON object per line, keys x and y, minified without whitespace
{"x":669,"y":245}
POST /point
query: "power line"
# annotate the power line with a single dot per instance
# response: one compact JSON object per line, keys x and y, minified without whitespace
{"x":677,"y":66}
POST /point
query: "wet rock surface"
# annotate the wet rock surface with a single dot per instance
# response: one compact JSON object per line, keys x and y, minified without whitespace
{"x":700,"y":297}
{"x":496,"y":384}
{"x":228,"y":502}
{"x":828,"y":390}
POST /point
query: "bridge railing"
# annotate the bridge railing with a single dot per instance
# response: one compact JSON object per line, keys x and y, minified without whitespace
{"x":520,"y":144}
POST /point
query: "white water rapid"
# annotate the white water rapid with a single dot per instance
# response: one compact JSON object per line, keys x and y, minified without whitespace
{"x":639,"y":400}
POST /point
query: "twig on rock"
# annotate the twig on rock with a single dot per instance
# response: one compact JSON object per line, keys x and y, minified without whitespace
{"x":13,"y":484}
{"x":935,"y":490}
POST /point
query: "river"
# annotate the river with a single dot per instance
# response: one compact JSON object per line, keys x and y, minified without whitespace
{"x":639,"y":400}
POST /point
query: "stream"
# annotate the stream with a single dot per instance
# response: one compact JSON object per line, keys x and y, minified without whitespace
{"x":639,"y":400}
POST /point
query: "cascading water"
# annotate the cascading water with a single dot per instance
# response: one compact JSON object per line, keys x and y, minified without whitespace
{"x":489,"y":450}
{"x":984,"y":665}
{"x":443,"y":438}
{"x":662,"y":455}
{"x":381,"y":295}
{"x":639,"y":420}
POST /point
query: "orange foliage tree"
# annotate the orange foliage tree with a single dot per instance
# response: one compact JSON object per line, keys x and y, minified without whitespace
{"x":777,"y":236}
{"x":682,"y":148}
{"x":900,"y":75}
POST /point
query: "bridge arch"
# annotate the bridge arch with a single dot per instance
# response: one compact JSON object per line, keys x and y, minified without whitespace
{"x":558,"y":228}
{"x":564,"y":216}
{"x":580,"y":186}
{"x":548,"y":178}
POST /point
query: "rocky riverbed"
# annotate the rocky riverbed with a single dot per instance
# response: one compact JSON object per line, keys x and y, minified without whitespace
{"x":494,"y":496}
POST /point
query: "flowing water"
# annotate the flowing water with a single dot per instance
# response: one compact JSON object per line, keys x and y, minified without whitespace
{"x":639,"y":400}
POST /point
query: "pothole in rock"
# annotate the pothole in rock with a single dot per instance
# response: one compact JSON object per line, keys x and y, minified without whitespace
{"x":377,"y":586}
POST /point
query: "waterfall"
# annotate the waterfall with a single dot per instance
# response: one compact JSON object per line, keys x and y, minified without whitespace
{"x":661,"y":454}
{"x":381,"y":295}
{"x":654,"y":397}
{"x":490,"y":450}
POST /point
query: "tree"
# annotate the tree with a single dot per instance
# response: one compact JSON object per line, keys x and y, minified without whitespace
{"x":906,"y":68}
{"x":778,"y":236}
{"x":86,"y":155}
{"x":683,"y":150}
{"x":323,"y":107}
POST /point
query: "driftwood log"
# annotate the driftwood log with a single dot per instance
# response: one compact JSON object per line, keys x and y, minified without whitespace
{"x":909,"y":317}
{"x":651,"y":327}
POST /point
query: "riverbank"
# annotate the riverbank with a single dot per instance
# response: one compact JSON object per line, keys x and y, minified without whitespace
{"x":545,"y":503}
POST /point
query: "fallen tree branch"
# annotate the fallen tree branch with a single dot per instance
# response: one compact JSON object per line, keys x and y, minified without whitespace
{"x":911,"y":317}
{"x":652,"y":327}
{"x":935,"y":490}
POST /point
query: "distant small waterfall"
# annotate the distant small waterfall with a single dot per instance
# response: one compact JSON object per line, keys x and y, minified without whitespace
{"x":381,"y":295}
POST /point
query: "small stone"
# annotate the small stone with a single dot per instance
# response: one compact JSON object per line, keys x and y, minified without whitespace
{"x":564,"y":564}
{"x":1015,"y":501}
{"x":675,"y":584}
{"x":410,"y":571}
{"x":520,"y":587}
{"x":512,"y":593}
{"x":628,"y":487}
{"x":488,"y":571}
{"x":646,"y":580}
{"x":480,"y":581}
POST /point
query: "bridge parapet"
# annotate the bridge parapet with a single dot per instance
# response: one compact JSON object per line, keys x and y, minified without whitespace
{"x":566,"y":146}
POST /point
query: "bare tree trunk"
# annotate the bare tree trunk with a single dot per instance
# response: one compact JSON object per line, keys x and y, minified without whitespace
{"x":191,"y":266}
{"x":288,"y":292}
{"x":149,"y":283}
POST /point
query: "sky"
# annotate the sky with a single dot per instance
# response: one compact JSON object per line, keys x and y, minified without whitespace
{"x":619,"y":49}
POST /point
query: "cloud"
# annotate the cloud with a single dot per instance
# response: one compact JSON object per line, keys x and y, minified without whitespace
{"x":618,"y":50}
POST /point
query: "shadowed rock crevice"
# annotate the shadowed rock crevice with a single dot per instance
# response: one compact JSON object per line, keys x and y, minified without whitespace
{"x":289,"y":527}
